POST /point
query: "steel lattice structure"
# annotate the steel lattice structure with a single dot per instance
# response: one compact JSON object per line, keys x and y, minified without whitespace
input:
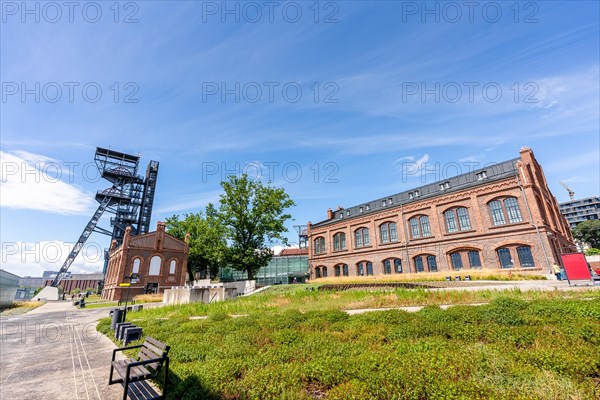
{"x":130,"y":199}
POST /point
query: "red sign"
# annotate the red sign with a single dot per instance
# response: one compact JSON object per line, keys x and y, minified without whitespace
{"x":576,"y":267}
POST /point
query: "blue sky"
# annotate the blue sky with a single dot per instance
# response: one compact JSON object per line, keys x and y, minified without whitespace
{"x":331,"y":102}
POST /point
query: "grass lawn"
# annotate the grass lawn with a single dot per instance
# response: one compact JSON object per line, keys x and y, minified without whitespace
{"x":291,"y":343}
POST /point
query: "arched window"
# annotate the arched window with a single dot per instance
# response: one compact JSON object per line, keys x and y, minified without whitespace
{"x":419,"y":226}
{"x":337,"y":270}
{"x":398,"y":265}
{"x":505,"y":258}
{"x":320,"y":245}
{"x":512,"y":209}
{"x":387,"y":266}
{"x":339,"y":241}
{"x":456,"y":261}
{"x":501,"y":211}
{"x":360,"y":269}
{"x":324,"y":272}
{"x":457,"y":219}
{"x":361,"y":237}
{"x":155,"y":263}
{"x":345,"y":270}
{"x":362,"y":266}
{"x":419,"y":263}
{"x":418,"y":260}
{"x":317,"y":272}
{"x":388,"y":233}
{"x":432,"y":263}
{"x":474,"y":259}
{"x":135,"y":269}
{"x":172,"y":267}
{"x":525,"y":257}
{"x":497,"y":213}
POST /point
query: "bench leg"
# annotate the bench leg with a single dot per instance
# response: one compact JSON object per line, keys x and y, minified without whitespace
{"x":166,"y":379}
{"x":110,"y":380}
{"x":125,"y":389}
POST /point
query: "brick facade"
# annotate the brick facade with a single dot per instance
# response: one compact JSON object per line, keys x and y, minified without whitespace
{"x":540,"y":231}
{"x":159,"y":259}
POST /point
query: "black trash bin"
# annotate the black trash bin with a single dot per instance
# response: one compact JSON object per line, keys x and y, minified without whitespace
{"x":118,"y":315}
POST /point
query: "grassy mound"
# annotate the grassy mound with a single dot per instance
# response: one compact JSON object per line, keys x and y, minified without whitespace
{"x":296,"y":344}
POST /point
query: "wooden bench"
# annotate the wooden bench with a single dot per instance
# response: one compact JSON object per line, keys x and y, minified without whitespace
{"x":147,"y":365}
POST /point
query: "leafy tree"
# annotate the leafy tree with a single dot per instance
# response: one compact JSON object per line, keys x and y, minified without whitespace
{"x":207,"y":240}
{"x":253,"y":215}
{"x":588,"y":232}
{"x":592,"y":252}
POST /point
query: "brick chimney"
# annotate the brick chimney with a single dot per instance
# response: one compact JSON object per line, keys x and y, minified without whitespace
{"x":127,"y":237}
{"x":329,"y":213}
{"x":160,"y":236}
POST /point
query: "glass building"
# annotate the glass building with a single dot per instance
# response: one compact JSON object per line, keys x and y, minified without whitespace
{"x":281,"y":270}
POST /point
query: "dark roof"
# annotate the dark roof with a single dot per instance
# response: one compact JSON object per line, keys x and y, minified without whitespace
{"x":293,"y":252}
{"x":493,"y":173}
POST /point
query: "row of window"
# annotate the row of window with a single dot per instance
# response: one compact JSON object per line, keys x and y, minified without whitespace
{"x":456,"y":220}
{"x":362,"y":268}
{"x":428,"y":262}
{"x":155,"y":265}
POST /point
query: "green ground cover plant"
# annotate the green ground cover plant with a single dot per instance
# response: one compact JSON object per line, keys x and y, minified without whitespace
{"x":290,"y":343}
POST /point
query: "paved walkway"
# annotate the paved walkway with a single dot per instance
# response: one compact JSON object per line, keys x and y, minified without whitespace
{"x":54,"y":352}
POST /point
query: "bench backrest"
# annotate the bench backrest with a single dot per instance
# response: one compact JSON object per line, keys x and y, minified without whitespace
{"x":152,"y":349}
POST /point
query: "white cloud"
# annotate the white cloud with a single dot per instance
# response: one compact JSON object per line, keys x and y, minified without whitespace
{"x":33,"y":182}
{"x":32,"y":259}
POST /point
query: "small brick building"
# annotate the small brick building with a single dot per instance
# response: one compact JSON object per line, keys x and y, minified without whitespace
{"x":159,"y":259}
{"x":502,"y":216}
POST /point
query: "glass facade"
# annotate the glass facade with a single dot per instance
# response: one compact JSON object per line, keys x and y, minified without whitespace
{"x":280,"y":270}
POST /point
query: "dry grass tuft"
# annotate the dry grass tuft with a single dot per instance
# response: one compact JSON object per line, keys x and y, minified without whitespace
{"x":149,"y":298}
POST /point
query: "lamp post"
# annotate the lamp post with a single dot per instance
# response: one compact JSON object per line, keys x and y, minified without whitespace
{"x":133,"y":278}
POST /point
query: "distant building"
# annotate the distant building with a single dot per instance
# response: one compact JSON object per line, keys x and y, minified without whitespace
{"x":289,"y":266}
{"x":84,"y":282}
{"x":502,"y":216}
{"x":72,"y":281}
{"x":32,"y":281}
{"x":8,"y":286}
{"x":577,"y":211}
{"x":159,"y":259}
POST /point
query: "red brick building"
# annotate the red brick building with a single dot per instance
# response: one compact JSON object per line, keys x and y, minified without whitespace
{"x":502,"y":216}
{"x":159,"y":259}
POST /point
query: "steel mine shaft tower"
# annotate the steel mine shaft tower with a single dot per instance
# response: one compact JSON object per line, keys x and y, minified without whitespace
{"x":130,"y":199}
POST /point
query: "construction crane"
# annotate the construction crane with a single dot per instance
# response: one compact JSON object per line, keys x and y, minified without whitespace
{"x":571,"y":193}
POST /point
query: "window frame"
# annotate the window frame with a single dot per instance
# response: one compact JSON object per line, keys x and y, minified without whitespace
{"x":456,"y":261}
{"x":361,"y":237}
{"x":520,"y":256}
{"x":505,"y":251}
{"x":387,"y":267}
{"x":505,"y":211}
{"x":339,"y":241}
{"x":419,"y":226}
{"x":476,"y":252}
{"x":391,"y":232}
{"x":319,"y":244}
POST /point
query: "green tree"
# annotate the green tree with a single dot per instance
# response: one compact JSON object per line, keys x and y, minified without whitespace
{"x":253,"y":215}
{"x":592,"y":252}
{"x":207,"y":240}
{"x":588,"y":232}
